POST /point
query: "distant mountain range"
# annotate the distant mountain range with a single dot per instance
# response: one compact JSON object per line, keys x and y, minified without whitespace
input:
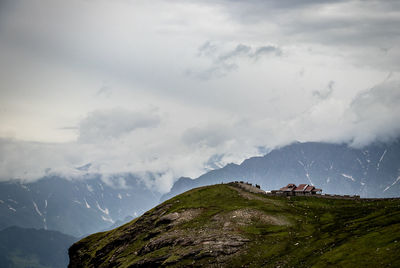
{"x":21,"y":247}
{"x":86,"y":205}
{"x":372,"y":171}
{"x":76,"y":207}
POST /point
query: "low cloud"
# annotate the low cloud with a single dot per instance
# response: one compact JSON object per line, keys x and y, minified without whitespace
{"x":210,"y":136}
{"x":262,"y":81}
{"x":376,"y":113}
{"x":120,"y":141}
{"x":114,"y":123}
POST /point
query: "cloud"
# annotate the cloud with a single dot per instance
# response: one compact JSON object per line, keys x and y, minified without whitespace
{"x":358,"y":28}
{"x":376,"y":113}
{"x":289,"y":4}
{"x":270,"y":73}
{"x":111,"y":124}
{"x":370,"y":116}
{"x":207,"y":49}
{"x":265,"y":50}
{"x":84,"y":167}
{"x":32,"y":160}
{"x":225,"y":60}
{"x":325,"y":93}
{"x":211,"y":136}
{"x":247,"y":51}
{"x":239,"y":50}
{"x":105,"y":90}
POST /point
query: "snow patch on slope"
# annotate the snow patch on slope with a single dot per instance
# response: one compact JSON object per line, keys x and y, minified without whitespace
{"x":86,"y":203}
{"x":37,"y":209}
{"x":309,"y":179}
{"x":348,"y":177}
{"x":25,"y":187}
{"x":105,"y":211}
{"x":89,"y":188}
{"x":396,"y":181}
{"x":107,"y":219}
{"x":380,"y":160}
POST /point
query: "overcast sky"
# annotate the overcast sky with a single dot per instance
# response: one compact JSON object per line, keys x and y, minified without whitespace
{"x":178,"y":87}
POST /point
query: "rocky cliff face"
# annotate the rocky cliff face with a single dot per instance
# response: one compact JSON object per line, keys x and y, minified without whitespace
{"x":227,"y":226}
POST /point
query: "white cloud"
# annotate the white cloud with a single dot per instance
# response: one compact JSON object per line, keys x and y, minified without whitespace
{"x":210,"y":136}
{"x":376,"y":113}
{"x":224,"y":59}
{"x":112,"y":124}
{"x":107,"y":82}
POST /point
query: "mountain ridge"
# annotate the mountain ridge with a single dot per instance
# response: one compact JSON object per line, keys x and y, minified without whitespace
{"x":371,"y":171}
{"x":76,"y":207}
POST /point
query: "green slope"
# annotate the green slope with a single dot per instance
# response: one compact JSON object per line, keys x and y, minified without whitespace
{"x":223,"y":225}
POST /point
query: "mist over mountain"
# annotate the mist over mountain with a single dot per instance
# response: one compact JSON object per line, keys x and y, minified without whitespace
{"x":90,"y":204}
{"x":371,"y":171}
{"x":245,"y":75}
{"x":74,"y":207}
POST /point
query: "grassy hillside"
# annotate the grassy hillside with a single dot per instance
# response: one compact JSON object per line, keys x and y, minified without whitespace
{"x":223,"y":225}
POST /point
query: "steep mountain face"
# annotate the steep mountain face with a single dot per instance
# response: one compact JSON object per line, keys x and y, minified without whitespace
{"x":74,"y":207}
{"x":226,"y":226}
{"x":21,"y":247}
{"x":373,"y":171}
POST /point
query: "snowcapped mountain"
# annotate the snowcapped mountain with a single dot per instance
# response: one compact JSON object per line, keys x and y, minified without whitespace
{"x":74,"y":207}
{"x":83,"y":206}
{"x":372,"y":171}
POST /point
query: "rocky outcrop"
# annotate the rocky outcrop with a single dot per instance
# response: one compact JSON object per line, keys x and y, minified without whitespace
{"x":156,"y":231}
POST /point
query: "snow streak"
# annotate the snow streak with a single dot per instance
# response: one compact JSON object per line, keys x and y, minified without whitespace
{"x":396,"y":181}
{"x":37,"y":209}
{"x":348,"y":177}
{"x":86,"y":203}
{"x":380,"y":160}
{"x":105,"y":211}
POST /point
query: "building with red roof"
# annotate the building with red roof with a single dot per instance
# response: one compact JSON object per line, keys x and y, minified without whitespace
{"x":292,"y":190}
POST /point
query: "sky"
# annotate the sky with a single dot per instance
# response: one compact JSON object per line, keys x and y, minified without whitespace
{"x":176,"y":88}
